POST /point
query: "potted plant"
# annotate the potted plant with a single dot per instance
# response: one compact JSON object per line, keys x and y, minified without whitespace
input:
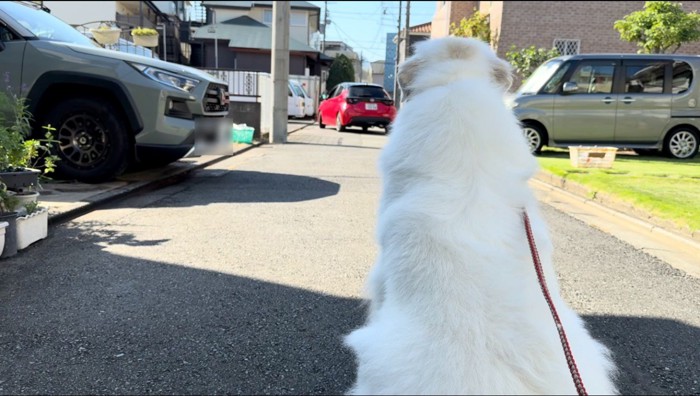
{"x":8,"y":216}
{"x":20,"y":157}
{"x":14,"y":129}
{"x":106,"y":34}
{"x":145,"y":37}
{"x":33,"y":226}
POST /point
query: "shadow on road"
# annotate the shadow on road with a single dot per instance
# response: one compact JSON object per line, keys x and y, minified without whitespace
{"x":93,"y":322}
{"x":632,"y":340}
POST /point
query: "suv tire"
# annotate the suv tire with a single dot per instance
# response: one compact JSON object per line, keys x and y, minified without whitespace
{"x":534,"y":136}
{"x":93,"y":143}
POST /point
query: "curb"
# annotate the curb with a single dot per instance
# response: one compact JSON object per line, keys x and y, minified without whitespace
{"x":618,"y":206}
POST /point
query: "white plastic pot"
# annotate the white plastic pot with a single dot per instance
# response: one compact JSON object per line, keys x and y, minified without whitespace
{"x":23,"y":199}
{"x":32,"y":228}
{"x":146,"y":41}
{"x":3,"y":225}
{"x":106,"y":37}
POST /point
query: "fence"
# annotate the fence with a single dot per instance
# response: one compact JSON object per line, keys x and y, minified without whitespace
{"x":253,"y":86}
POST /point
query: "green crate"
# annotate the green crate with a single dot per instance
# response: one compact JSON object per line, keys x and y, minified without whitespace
{"x":242,"y":135}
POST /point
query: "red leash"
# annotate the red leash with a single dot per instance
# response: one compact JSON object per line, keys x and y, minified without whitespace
{"x":562,"y":335}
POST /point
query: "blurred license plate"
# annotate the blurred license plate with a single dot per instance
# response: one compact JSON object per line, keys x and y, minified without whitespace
{"x":370,"y":106}
{"x":212,"y":136}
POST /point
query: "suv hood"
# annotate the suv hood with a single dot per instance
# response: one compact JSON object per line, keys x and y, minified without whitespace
{"x":171,"y":67}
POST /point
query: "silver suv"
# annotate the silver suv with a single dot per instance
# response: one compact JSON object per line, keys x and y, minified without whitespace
{"x":110,"y":109}
{"x":641,"y":102}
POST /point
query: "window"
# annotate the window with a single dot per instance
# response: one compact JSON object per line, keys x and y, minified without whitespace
{"x":297,"y":19}
{"x":567,"y":46}
{"x":368,"y":92}
{"x":555,"y":82}
{"x":592,"y":79}
{"x":645,"y":78}
{"x":682,"y":77}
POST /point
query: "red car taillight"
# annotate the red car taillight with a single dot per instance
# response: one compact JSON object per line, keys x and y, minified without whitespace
{"x":388,"y":102}
{"x":352,"y":100}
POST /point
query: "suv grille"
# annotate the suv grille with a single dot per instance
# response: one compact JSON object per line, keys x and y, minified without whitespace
{"x":216,"y":98}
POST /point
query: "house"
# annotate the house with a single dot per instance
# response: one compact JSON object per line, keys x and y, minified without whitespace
{"x":169,"y":16}
{"x":238,"y":35}
{"x":378,"y":68}
{"x":572,"y":27}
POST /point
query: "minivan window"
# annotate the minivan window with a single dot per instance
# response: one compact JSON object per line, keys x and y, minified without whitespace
{"x":645,"y":78}
{"x":593,"y":79}
{"x":555,"y":82}
{"x":539,"y":77}
{"x":297,"y":90}
{"x":367,"y":92}
{"x":682,"y":77}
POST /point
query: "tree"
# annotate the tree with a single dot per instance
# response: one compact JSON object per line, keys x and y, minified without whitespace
{"x":341,"y":71}
{"x":660,"y":26}
{"x":477,"y":26}
{"x":526,"y":60}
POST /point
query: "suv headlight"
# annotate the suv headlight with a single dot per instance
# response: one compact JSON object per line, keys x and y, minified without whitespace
{"x":170,"y":79}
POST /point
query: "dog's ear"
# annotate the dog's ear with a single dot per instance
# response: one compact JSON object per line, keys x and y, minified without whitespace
{"x":502,"y":73}
{"x":407,"y":73}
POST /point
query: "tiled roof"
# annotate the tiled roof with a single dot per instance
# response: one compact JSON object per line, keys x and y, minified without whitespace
{"x":422,"y":28}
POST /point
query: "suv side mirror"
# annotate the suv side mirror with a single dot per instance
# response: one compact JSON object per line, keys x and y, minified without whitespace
{"x":569,"y":87}
{"x":324,"y":96}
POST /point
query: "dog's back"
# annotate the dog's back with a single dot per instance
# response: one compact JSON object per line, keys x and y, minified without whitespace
{"x":456,"y":307}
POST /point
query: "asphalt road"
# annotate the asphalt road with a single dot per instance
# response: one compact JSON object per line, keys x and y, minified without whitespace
{"x":243,"y":279}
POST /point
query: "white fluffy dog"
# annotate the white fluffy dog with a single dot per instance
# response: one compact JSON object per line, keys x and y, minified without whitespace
{"x":456,"y":307}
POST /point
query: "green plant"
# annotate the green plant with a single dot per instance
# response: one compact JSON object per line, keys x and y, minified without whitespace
{"x":7,"y":201}
{"x":31,"y":207}
{"x":106,"y":27}
{"x":16,"y":150}
{"x":526,"y":60}
{"x":140,"y":31}
{"x":660,"y":26}
{"x":478,"y":25}
{"x":341,"y":70}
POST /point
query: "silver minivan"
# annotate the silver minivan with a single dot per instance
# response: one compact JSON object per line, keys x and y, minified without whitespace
{"x":641,"y":102}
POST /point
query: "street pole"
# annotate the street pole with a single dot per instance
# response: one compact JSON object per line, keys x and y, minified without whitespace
{"x":407,"y":35}
{"x":216,"y":42}
{"x":396,"y":57}
{"x":280,"y":70}
{"x":325,"y":26}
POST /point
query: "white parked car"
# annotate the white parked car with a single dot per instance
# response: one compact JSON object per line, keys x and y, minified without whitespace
{"x":309,"y":108}
{"x":296,"y":101}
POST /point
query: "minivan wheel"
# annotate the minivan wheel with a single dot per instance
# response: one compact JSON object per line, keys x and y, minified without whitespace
{"x":682,"y":143}
{"x":92,"y":142}
{"x":534,"y":136}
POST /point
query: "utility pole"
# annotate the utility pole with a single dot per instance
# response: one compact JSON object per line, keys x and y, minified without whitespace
{"x":407,"y":34}
{"x":280,"y":70}
{"x":216,"y":42}
{"x":396,"y":57}
{"x":361,"y":66}
{"x":325,"y":26}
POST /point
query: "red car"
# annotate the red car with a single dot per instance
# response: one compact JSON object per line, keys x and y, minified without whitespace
{"x":357,"y":104}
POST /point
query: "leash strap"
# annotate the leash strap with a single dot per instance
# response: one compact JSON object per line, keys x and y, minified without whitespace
{"x":562,"y":335}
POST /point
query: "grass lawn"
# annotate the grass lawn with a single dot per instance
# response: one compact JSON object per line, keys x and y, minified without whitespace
{"x":668,"y":189}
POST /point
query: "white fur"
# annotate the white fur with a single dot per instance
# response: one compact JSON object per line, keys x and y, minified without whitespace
{"x":455,"y":303}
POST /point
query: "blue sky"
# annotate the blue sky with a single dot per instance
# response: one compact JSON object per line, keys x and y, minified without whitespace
{"x":364,"y":24}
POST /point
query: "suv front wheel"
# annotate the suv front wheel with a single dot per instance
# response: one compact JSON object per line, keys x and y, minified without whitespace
{"x":92,"y":142}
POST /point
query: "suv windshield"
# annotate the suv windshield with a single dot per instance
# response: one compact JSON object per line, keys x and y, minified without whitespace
{"x":539,"y":77}
{"x":367,"y":92}
{"x":44,"y":25}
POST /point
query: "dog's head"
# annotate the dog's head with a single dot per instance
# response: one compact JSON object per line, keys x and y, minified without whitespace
{"x":441,"y":61}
